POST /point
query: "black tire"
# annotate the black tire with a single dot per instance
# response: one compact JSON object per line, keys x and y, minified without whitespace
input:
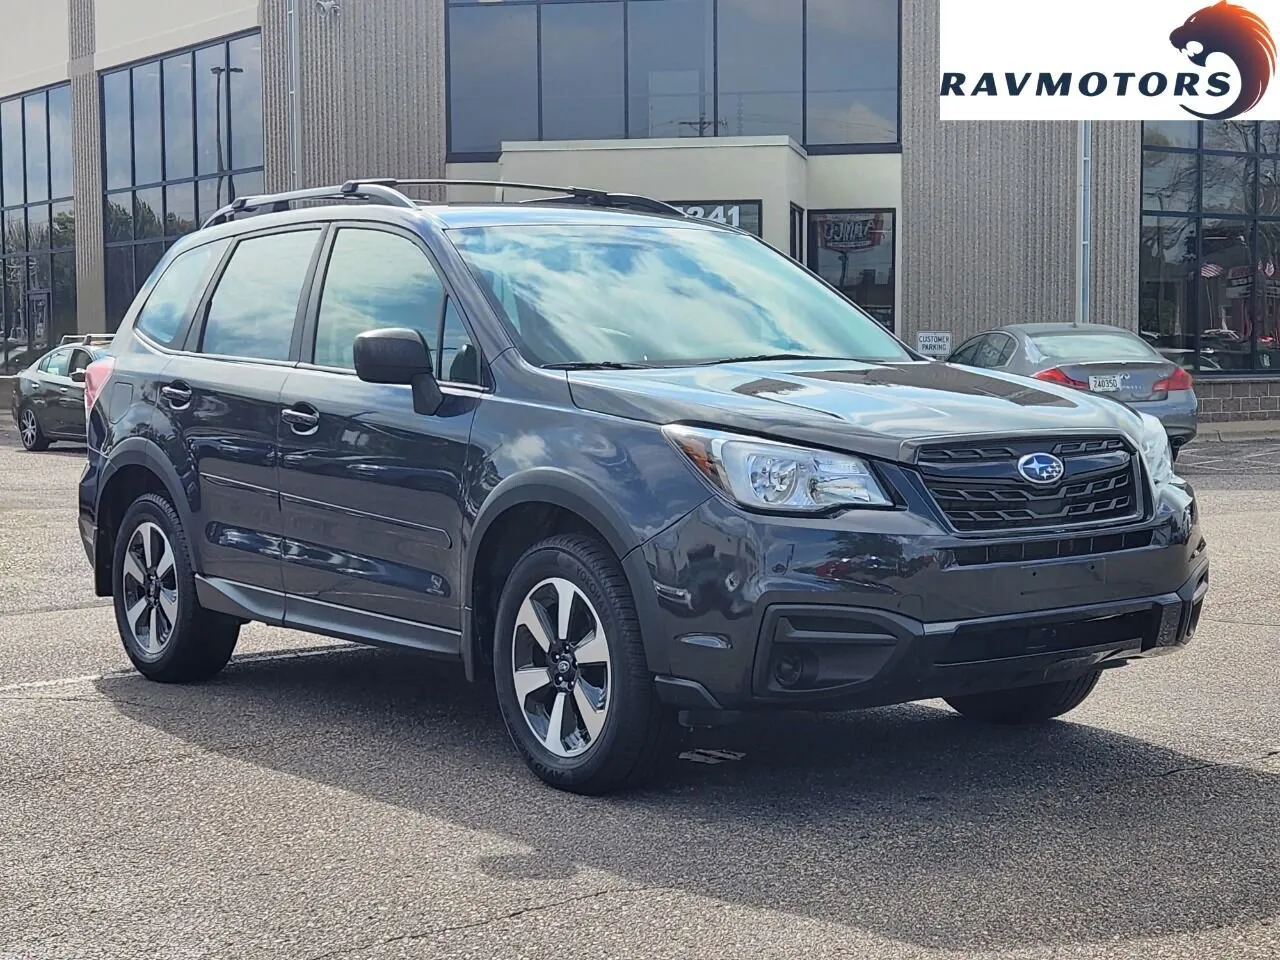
{"x":200,"y":641}
{"x":1026,"y":705}
{"x":637,"y":729}
{"x":35,"y":440}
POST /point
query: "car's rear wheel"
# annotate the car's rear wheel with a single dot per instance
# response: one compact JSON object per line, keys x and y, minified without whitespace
{"x":1025,"y":705}
{"x":167,"y":635}
{"x":573,"y":684}
{"x":29,"y":429}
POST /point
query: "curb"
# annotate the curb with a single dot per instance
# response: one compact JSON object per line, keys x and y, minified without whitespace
{"x":1239,"y":431}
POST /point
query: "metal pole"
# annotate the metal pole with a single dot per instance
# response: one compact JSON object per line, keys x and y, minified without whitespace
{"x":1084,"y":223}
{"x":294,"y":107}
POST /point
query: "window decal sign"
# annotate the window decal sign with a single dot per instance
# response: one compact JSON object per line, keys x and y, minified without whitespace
{"x":849,"y":232}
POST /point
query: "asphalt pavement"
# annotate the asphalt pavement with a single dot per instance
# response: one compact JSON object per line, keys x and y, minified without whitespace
{"x":320,"y":800}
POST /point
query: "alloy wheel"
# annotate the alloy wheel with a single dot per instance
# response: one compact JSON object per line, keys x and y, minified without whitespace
{"x":150,"y":589}
{"x":560,"y":663}
{"x":29,"y":428}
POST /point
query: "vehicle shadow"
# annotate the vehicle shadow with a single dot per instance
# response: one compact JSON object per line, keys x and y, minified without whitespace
{"x":908,"y":822}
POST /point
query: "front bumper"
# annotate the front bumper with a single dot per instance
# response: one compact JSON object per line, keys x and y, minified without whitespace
{"x":768,"y":612}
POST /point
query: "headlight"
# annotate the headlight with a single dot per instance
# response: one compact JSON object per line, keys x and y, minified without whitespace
{"x":766,"y":475}
{"x":1156,"y":451}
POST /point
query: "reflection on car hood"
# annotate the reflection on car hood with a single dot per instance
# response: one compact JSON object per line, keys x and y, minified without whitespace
{"x":878,"y":409}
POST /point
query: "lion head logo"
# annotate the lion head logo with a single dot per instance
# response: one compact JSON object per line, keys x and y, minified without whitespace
{"x":1228,"y":29}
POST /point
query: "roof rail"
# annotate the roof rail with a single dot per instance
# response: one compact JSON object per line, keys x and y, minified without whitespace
{"x":366,"y":190}
{"x":586,"y":196}
{"x":387,"y":191}
{"x":86,"y":339}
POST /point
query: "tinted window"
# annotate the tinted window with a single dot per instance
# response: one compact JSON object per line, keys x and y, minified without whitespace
{"x":11,"y":132}
{"x":61,"y":148}
{"x":852,"y":71}
{"x":211,"y":109}
{"x":174,"y":294}
{"x":56,"y":363}
{"x":988,"y":352}
{"x":37,"y":147}
{"x":1004,"y":346}
{"x":179,"y":119}
{"x":670,"y":294}
{"x":459,"y":361}
{"x":246,"y":102}
{"x":79,"y":360}
{"x":375,"y":280}
{"x":147,"y":146}
{"x":761,"y":68}
{"x":1062,"y":347}
{"x":116,"y":96}
{"x":253,"y":310}
{"x":671,"y":68}
{"x":582,"y":71}
{"x":493,"y":76}
{"x":966,"y":353}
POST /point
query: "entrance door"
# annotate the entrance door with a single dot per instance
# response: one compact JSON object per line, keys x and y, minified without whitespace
{"x":853,"y":250}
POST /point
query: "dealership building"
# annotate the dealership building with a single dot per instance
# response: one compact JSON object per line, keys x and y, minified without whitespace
{"x":813,"y":123}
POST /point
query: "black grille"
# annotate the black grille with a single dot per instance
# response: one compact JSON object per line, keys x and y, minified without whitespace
{"x":980,"y":490}
{"x":1030,"y":551}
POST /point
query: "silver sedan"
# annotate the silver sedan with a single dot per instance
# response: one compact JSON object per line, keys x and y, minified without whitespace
{"x":1106,"y":360}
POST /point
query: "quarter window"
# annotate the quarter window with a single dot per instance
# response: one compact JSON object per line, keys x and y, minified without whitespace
{"x":174,"y":294}
{"x":252,"y":312}
{"x":375,"y":280}
{"x":459,"y":360}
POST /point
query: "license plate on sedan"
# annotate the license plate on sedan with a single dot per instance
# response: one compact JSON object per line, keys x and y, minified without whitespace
{"x":1104,"y":384}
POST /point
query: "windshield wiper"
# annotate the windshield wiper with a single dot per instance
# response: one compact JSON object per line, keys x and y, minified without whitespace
{"x":776,"y":356}
{"x":598,"y":365}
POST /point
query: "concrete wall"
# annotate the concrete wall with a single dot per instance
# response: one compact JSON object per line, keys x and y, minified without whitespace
{"x":34,"y":45}
{"x":371,"y":90}
{"x":130,"y":30}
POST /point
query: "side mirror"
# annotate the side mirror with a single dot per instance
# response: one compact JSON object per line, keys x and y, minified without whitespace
{"x":399,"y":356}
{"x":77,"y":376}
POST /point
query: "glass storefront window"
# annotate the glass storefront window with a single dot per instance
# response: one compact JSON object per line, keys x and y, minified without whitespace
{"x":825,"y":72}
{"x":1210,"y":248}
{"x":37,"y":257}
{"x":183,"y":135}
{"x":853,"y":250}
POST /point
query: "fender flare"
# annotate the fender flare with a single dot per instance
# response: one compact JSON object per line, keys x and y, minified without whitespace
{"x":142,"y":452}
{"x":564,"y":489}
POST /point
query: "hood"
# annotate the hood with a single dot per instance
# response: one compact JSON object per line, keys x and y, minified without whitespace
{"x":882,"y":410}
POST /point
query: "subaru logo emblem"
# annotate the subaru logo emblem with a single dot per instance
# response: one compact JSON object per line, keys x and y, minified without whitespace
{"x":1041,"y":468}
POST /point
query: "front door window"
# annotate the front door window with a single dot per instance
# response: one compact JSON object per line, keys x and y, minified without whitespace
{"x":854,"y":251}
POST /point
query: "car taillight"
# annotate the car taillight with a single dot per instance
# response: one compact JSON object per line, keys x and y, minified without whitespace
{"x":1054,"y":375}
{"x":96,"y":376}
{"x":1178,"y":380}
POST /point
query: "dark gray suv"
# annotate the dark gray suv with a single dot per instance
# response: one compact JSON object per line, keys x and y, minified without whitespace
{"x":635,"y":468}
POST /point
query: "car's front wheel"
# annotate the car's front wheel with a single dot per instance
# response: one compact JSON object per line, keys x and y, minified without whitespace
{"x":572,"y":681}
{"x":167,"y":635}
{"x":1025,"y":705}
{"x":29,"y":429}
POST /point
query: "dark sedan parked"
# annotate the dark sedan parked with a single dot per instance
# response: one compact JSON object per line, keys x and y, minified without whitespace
{"x":48,"y":396}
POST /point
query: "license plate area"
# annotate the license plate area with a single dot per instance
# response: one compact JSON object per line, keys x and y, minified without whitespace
{"x":1104,"y":384}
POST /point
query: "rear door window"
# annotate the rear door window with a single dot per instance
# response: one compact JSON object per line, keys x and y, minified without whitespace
{"x":176,"y":293}
{"x":254,"y":308}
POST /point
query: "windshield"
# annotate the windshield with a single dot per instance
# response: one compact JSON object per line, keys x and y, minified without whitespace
{"x":1084,"y":347}
{"x":661,"y":296}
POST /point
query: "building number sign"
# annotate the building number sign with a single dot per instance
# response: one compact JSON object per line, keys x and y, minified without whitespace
{"x":745,"y":215}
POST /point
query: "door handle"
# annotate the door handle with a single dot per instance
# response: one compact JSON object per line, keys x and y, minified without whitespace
{"x":178,"y":395}
{"x":301,"y":420}
{"x":63,"y":390}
